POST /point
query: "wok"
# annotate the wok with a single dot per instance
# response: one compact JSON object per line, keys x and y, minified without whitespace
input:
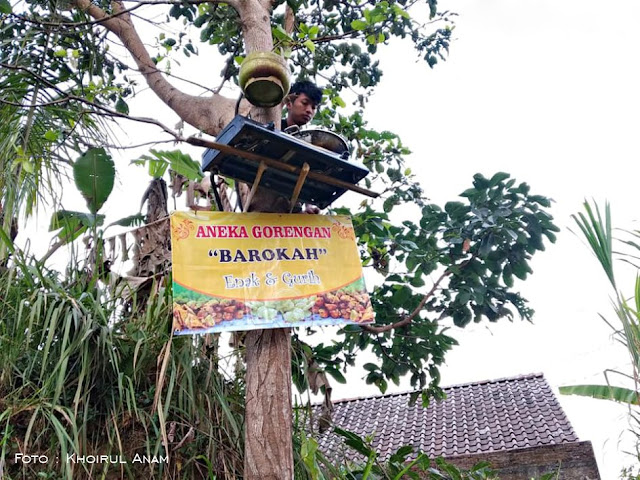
{"x":322,"y":138}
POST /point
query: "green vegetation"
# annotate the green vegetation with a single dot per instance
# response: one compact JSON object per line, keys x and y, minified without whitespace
{"x":597,"y":230}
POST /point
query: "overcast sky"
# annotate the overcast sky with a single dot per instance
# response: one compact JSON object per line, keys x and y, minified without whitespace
{"x":549,"y":92}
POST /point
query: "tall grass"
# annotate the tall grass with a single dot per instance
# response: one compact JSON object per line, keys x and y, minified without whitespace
{"x":81,"y":375}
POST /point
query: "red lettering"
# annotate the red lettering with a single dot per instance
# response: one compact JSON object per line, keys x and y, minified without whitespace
{"x":221,"y":231}
{"x":276,"y":231}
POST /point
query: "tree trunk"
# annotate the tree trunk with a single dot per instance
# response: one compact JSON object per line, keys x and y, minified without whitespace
{"x":268,"y":432}
{"x":268,"y":452}
{"x":268,"y":417}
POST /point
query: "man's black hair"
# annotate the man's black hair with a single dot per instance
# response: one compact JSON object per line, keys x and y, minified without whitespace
{"x":310,"y":89}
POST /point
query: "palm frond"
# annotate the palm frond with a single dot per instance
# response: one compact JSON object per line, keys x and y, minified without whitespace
{"x":599,"y":236}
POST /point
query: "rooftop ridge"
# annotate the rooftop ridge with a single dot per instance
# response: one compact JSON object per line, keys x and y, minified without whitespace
{"x":525,"y":376}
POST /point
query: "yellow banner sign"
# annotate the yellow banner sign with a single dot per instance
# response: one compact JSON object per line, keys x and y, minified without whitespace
{"x":242,"y":271}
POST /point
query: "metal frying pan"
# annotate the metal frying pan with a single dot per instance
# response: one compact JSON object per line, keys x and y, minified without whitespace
{"x":322,"y":138}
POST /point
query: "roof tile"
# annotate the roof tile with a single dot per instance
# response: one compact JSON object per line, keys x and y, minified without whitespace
{"x":502,"y":414}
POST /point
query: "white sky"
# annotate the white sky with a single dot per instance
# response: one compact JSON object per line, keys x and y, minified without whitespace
{"x":549,"y":92}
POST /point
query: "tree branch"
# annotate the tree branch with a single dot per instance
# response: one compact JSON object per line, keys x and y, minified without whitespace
{"x":138,"y":4}
{"x":408,"y":319}
{"x":207,"y":114}
{"x":99,"y":109}
{"x":289,"y":19}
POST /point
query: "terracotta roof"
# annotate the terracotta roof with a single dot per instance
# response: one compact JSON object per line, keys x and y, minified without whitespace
{"x":480,"y":417}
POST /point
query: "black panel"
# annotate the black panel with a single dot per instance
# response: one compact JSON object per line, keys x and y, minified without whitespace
{"x":245,"y":134}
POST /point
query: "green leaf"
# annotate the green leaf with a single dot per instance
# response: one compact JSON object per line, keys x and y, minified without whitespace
{"x":130,"y":221}
{"x":598,"y":232}
{"x":388,"y":204}
{"x":122,"y":107}
{"x":27,"y":165}
{"x":469,"y":192}
{"x":94,"y":173}
{"x":359,"y":25}
{"x":486,"y":245}
{"x":497,"y":178}
{"x":5,"y":7}
{"x":401,"y":454}
{"x":338,"y":101}
{"x":370,"y":367}
{"x":179,"y":162}
{"x":309,"y":447}
{"x":281,"y":34}
{"x":521,"y":269}
{"x":157,"y":168}
{"x":354,"y":441}
{"x":73,"y":224}
{"x":402,"y":295}
{"x":335,"y":373}
{"x":456,"y":210}
{"x":507,"y":276}
{"x":603,"y":392}
{"x":480,"y":182}
{"x":51,"y":135}
{"x":310,"y":45}
{"x":400,"y":11}
{"x":60,"y":53}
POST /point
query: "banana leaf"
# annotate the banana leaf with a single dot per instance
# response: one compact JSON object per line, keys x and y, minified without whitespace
{"x":604,"y":392}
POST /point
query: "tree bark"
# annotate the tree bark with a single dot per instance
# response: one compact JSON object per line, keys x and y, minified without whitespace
{"x":268,"y":452}
{"x":268,"y":418}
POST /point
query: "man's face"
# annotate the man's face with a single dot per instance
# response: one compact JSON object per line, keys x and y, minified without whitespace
{"x":301,"y":109}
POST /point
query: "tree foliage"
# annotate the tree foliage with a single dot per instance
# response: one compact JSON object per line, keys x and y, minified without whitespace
{"x":474,"y":248}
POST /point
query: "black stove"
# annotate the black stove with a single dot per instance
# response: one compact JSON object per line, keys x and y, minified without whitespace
{"x":250,"y":136}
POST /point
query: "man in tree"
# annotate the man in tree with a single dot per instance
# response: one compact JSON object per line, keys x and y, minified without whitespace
{"x":302,"y":104}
